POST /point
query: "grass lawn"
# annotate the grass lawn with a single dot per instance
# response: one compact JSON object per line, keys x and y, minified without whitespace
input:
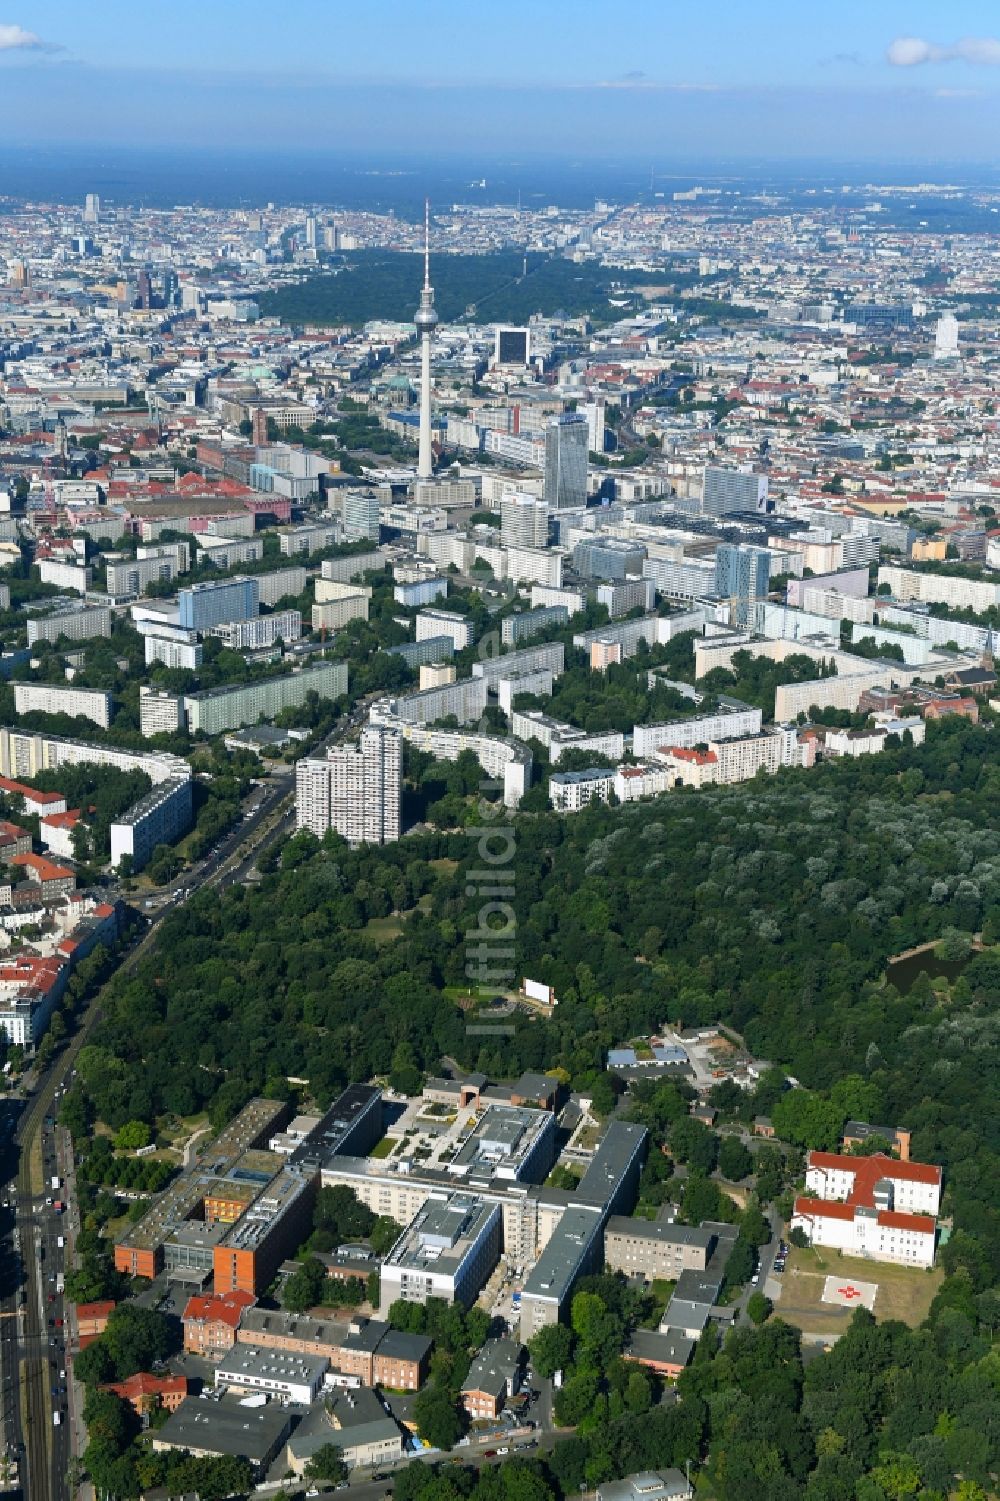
{"x":384,"y":929}
{"x":904,"y":1293}
{"x":563,"y":1177}
{"x":181,"y":1130}
{"x":384,"y":1147}
{"x":660,"y":1292}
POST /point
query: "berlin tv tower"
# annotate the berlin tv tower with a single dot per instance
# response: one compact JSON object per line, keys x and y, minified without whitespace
{"x":426,"y":320}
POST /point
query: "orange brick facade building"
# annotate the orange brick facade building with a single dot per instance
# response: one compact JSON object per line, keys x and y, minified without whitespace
{"x":210,"y":1323}
{"x":145,"y":1393}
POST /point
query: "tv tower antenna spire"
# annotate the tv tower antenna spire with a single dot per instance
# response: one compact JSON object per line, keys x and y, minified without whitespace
{"x":426,"y":321}
{"x":427,"y":245}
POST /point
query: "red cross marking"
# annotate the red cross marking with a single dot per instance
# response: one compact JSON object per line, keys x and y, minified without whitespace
{"x":849,"y":1292}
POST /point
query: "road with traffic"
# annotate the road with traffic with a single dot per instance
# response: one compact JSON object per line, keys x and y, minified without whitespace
{"x":35,"y":1365}
{"x":35,"y":1361}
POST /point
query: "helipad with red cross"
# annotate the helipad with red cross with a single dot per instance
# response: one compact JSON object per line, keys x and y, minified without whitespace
{"x":848,"y":1292}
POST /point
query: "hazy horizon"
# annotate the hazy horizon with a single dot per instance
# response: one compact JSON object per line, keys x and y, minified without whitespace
{"x":161,"y":176}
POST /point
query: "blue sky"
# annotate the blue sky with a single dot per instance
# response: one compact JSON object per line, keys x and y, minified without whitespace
{"x":657,"y":79}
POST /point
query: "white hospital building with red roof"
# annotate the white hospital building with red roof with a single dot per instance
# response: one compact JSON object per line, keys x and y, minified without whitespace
{"x":876,"y":1207}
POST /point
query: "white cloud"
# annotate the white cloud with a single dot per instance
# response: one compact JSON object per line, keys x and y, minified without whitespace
{"x":16,"y":39}
{"x":908,"y":51}
{"x":984,"y":49}
{"x":913,"y":51}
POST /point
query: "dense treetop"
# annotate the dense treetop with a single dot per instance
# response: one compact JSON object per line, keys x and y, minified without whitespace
{"x":385,"y":284}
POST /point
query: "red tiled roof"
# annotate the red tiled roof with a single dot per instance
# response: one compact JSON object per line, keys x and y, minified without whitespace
{"x":890,"y":1219}
{"x":62,"y":820}
{"x":896,"y":1220}
{"x":21,"y":790}
{"x":221,"y":1308}
{"x":830,"y":1209}
{"x":144,"y":1384}
{"x":99,"y":1310}
{"x":44,"y":870}
{"x":699,"y":758}
{"x":868,"y":1170}
{"x":29,"y":970}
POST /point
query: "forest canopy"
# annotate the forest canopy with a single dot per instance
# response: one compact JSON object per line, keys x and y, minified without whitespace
{"x":385,"y":284}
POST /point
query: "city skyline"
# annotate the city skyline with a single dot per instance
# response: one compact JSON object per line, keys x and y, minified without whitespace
{"x":895,"y":81}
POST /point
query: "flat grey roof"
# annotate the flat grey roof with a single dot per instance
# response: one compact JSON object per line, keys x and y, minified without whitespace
{"x":275,"y":1365}
{"x":442,"y":1234}
{"x":497,"y":1357}
{"x":397,"y":1345}
{"x":651,"y":1485}
{"x":682,"y":1314}
{"x":354,"y":1409}
{"x":615,"y":1151}
{"x":504,"y":1135}
{"x":660,"y":1230}
{"x":226,"y":1428}
{"x":197,"y":1233}
{"x":291,"y":1325}
{"x":366,"y":1422}
{"x":556,"y":1269}
{"x":670,"y":1345}
{"x":255,"y":1225}
{"x":698,"y":1287}
{"x":152,"y":799}
{"x":364,"y":1334}
{"x":327,"y":1138}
